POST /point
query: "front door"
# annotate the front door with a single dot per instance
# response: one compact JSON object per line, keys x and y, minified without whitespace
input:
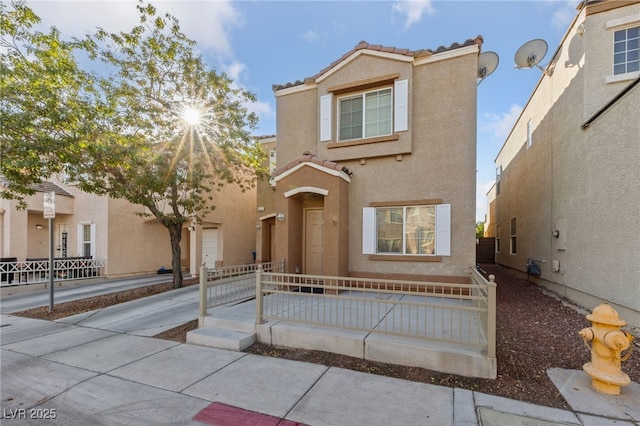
{"x":209,"y":247}
{"x":313,"y":242}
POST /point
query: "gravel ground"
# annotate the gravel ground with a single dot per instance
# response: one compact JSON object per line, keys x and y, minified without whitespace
{"x":536,"y":330}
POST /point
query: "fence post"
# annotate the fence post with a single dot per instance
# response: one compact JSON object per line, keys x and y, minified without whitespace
{"x":259,"y":294}
{"x":491,"y":317}
{"x":203,"y":294}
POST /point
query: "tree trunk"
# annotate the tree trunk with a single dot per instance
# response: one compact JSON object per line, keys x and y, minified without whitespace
{"x":175,"y":232}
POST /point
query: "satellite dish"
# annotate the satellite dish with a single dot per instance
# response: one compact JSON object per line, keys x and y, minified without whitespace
{"x":487,"y":63}
{"x":531,"y":53}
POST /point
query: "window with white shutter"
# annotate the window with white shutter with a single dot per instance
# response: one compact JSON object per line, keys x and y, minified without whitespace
{"x":407,"y":230}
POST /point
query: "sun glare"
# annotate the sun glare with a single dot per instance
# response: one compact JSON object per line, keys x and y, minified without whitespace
{"x":191,"y":116}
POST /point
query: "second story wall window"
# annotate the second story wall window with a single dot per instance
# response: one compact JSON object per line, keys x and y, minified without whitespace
{"x":365,"y":115}
{"x":361,"y":111}
{"x":626,"y":50}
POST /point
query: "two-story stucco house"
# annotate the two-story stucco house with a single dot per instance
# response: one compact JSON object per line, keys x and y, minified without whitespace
{"x":568,"y":186}
{"x":374,"y":166}
{"x":109,"y":230}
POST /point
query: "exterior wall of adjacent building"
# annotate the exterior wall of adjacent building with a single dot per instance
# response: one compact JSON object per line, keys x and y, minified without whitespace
{"x":265,"y":215}
{"x":569,"y":190}
{"x":129,"y":243}
{"x":431,"y":162}
{"x":234,"y":217}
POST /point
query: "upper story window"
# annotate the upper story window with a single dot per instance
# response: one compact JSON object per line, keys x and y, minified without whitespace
{"x":272,"y":166}
{"x":367,"y":109}
{"x":626,"y":50}
{"x":365,"y":115}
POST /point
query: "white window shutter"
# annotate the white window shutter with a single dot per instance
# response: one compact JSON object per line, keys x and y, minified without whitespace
{"x":325,"y":118}
{"x":368,"y":230}
{"x":93,"y":240}
{"x":79,"y":238}
{"x":443,"y":230}
{"x":401,"y":94}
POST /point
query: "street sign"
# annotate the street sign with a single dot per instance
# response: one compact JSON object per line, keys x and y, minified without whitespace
{"x":49,"y":205}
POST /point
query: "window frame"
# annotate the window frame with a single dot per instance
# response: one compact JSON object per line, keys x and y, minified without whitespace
{"x":363,"y":95}
{"x":329,"y":126}
{"x":441,"y":231}
{"x":404,"y":216}
{"x":513,"y":236}
{"x":625,"y":51}
{"x":83,"y":243}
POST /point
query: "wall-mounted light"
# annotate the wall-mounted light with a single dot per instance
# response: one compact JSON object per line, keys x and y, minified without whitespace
{"x":38,"y":226}
{"x":556,"y":233}
{"x":581,"y":29}
{"x":257,"y":226}
{"x":280,"y":217}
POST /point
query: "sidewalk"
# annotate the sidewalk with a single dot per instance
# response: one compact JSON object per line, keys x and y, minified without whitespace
{"x":81,"y":375}
{"x":18,"y":298}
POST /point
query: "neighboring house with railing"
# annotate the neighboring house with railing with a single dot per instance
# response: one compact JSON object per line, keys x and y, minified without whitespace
{"x":375,"y":167}
{"x":568,"y":176}
{"x":117,"y":240}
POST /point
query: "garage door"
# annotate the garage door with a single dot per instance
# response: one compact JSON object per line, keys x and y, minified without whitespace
{"x":210,"y":247}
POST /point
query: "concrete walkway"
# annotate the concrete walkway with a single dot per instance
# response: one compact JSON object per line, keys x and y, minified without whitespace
{"x":22,"y":297}
{"x":109,"y":372}
{"x":82,"y":375}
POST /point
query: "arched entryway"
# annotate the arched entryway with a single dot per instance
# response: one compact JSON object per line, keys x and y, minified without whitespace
{"x":311,"y":225}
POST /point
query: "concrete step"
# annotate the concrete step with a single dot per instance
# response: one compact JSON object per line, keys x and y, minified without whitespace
{"x":241,"y":325}
{"x":220,"y":338}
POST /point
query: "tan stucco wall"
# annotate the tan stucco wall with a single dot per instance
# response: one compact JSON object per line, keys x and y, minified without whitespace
{"x":130,"y":244}
{"x":579,"y":182}
{"x":434,"y":159}
{"x":600,"y":41}
{"x":15,"y":230}
{"x":20,"y":237}
{"x":297,"y":124}
{"x":335,"y":205}
{"x":136,"y":244}
{"x":265,"y":205}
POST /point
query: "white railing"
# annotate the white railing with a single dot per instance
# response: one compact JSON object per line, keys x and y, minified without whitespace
{"x":32,"y":271}
{"x":459,"y":313}
{"x":231,"y":283}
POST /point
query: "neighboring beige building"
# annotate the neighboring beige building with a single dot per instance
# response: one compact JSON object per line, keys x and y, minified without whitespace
{"x":375,"y":168}
{"x":110,"y":230}
{"x":568,"y":190}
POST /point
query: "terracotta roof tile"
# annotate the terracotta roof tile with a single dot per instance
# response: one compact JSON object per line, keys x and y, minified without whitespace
{"x":44,"y":186}
{"x":379,"y":48}
{"x":308,"y":157}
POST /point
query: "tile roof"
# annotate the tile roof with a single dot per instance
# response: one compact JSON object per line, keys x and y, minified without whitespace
{"x":308,"y":157}
{"x":43,"y":186}
{"x":363,"y":45}
{"x":46,"y":186}
{"x":260,"y":137}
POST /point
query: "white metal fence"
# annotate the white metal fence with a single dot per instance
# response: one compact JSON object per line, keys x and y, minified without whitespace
{"x":459,"y":313}
{"x":231,"y":284}
{"x":32,"y":271}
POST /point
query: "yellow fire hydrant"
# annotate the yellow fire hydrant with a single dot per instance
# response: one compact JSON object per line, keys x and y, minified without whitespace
{"x":608,"y":342}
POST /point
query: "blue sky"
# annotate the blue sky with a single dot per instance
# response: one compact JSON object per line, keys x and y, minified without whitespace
{"x":261,"y":43}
